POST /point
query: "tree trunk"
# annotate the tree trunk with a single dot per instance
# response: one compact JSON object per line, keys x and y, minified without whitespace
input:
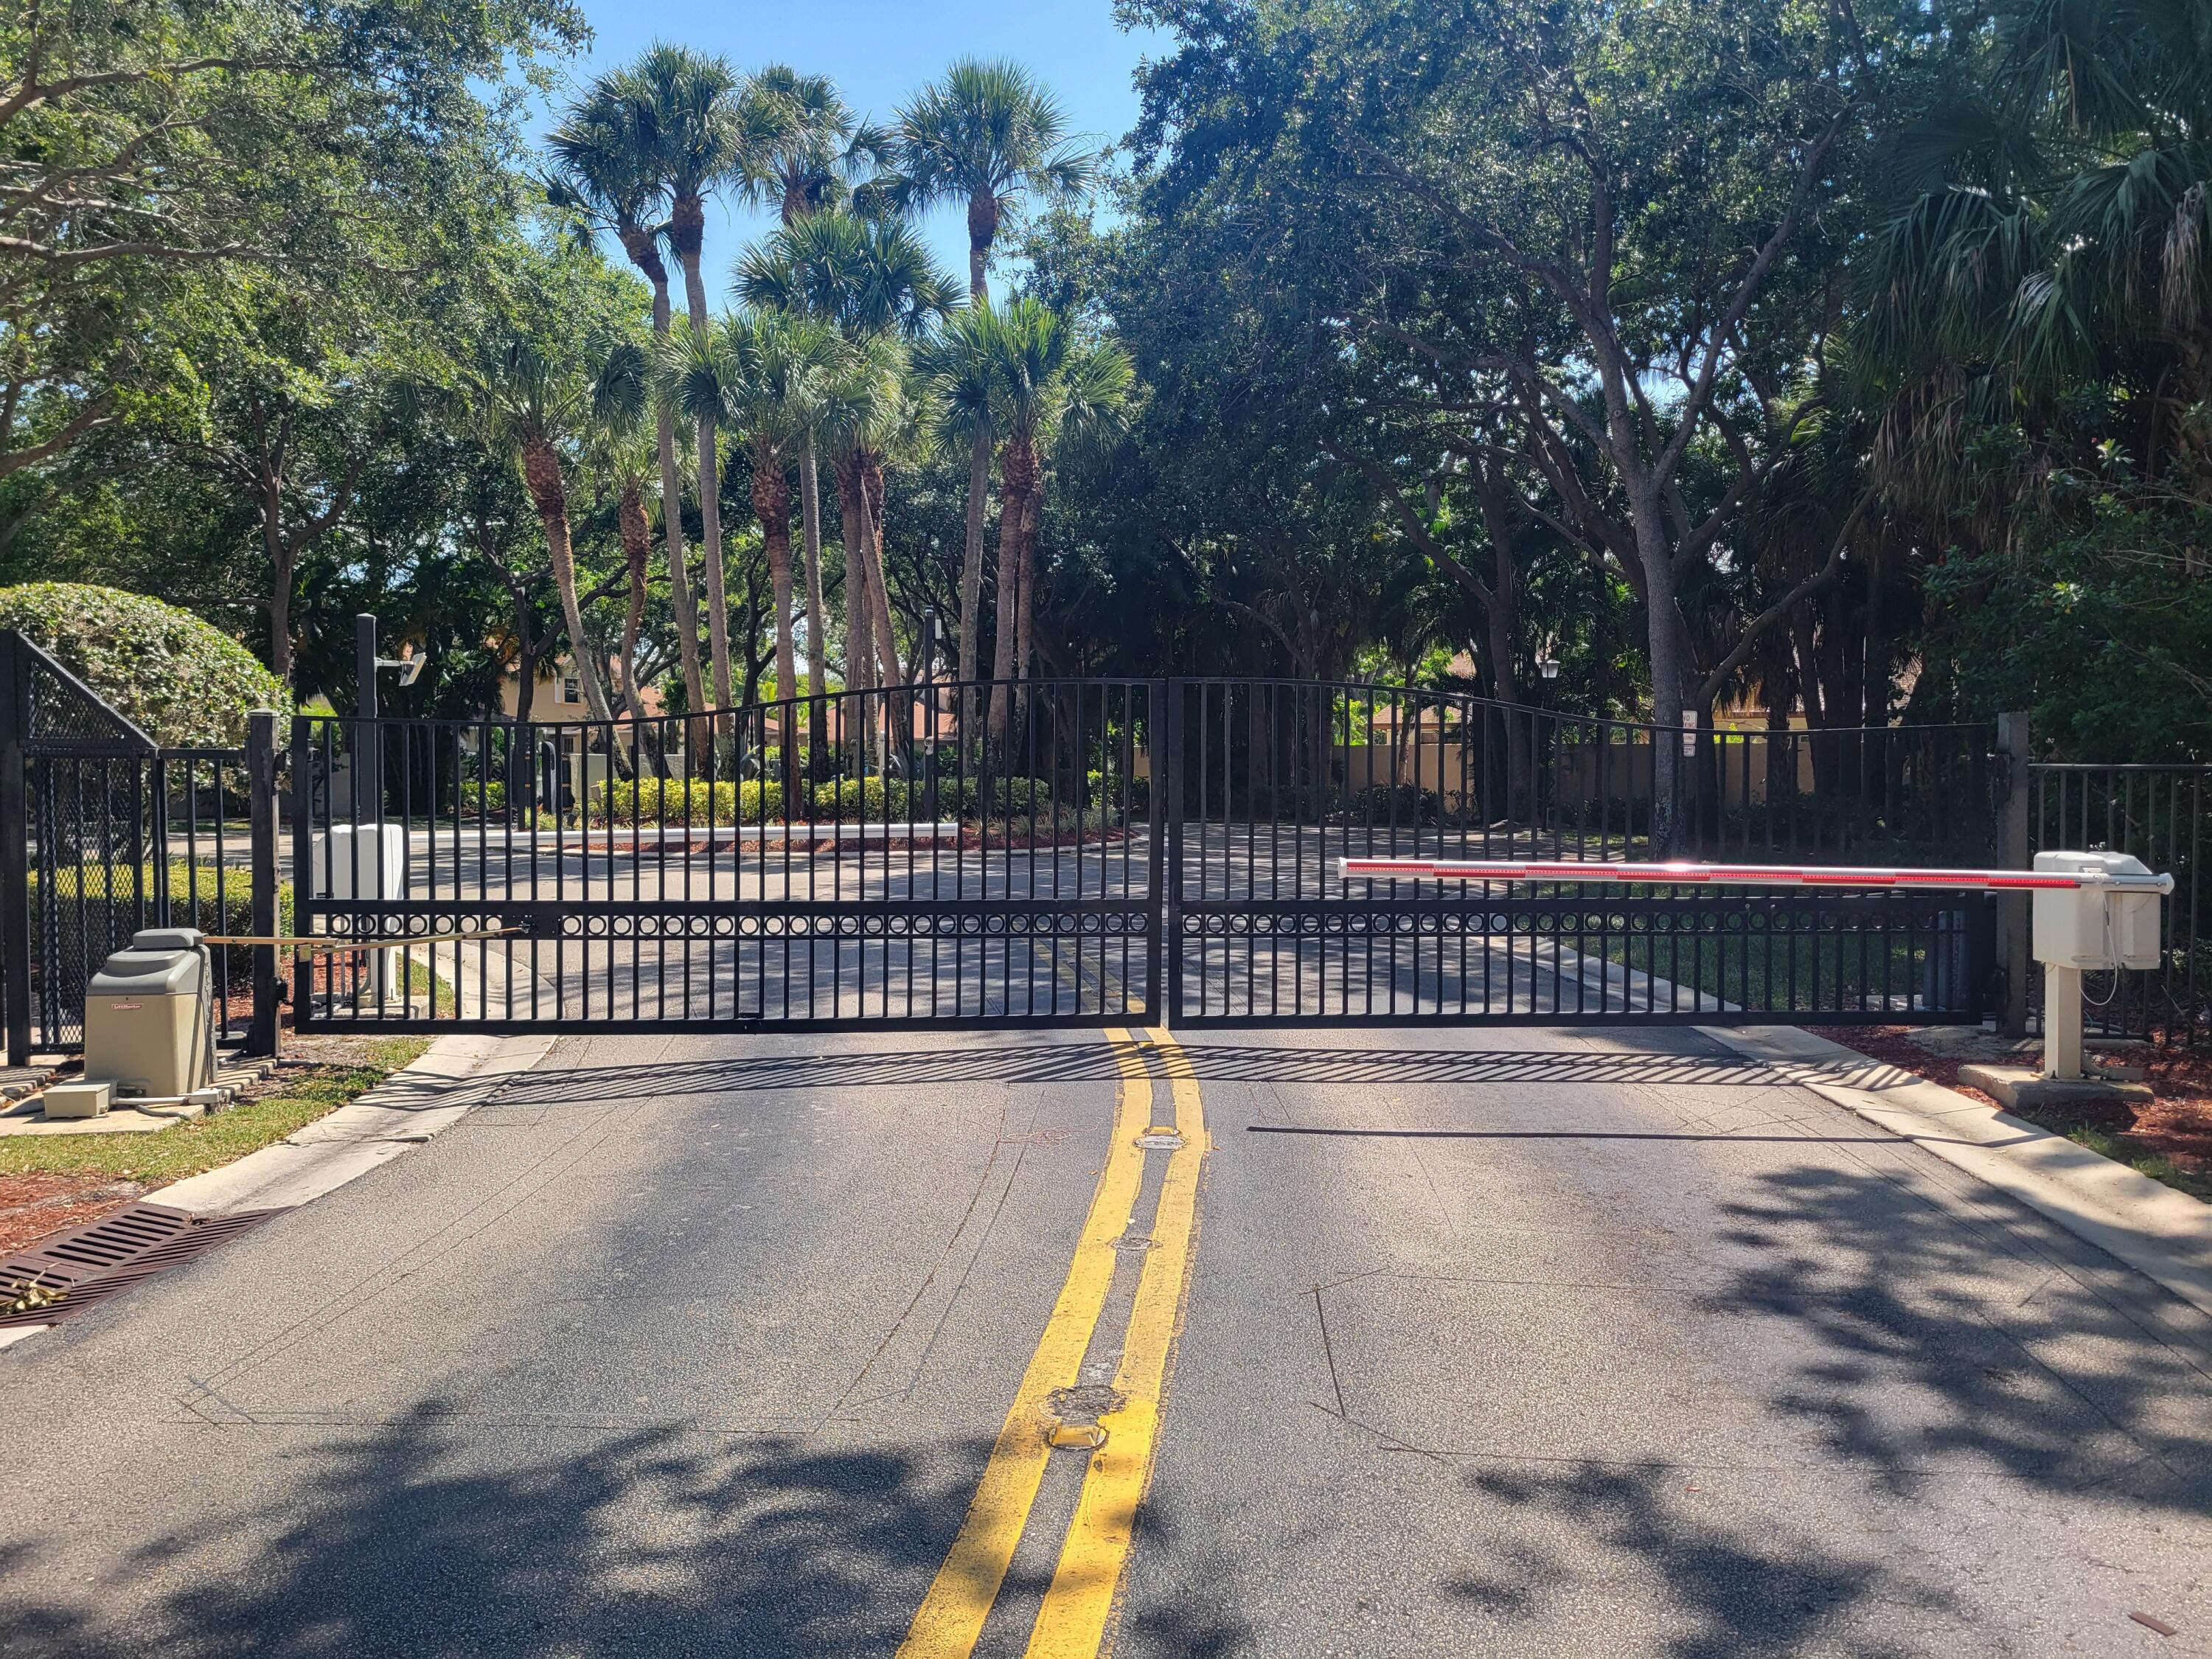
{"x":1504,"y":615}
{"x":872,"y":498}
{"x":1025,"y":584}
{"x":859,"y":629}
{"x":541,"y":472}
{"x":817,"y":631}
{"x":982,"y":231}
{"x":772,"y":506}
{"x":280,"y":582}
{"x":686,"y":218}
{"x":637,"y":550}
{"x":971,"y":559}
{"x":1019,"y":473}
{"x":645,"y":254}
{"x":1669,"y":665}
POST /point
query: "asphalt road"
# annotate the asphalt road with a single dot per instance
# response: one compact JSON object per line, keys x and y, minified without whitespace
{"x":1505,"y":1341}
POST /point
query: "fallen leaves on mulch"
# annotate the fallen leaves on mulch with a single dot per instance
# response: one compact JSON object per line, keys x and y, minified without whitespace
{"x":2177,"y":1124}
{"x":33,"y":1207}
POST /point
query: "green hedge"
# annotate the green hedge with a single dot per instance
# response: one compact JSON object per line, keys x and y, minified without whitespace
{"x":668,"y":801}
{"x":87,"y":901}
{"x":179,"y":680}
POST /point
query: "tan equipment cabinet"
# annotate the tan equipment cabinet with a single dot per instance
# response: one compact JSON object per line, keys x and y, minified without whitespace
{"x":146,"y":1017}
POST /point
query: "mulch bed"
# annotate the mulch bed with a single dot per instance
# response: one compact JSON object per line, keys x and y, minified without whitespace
{"x":35,"y":1206}
{"x":2178,"y":1124}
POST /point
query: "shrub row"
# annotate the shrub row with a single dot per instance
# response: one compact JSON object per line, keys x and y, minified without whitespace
{"x":658,"y":801}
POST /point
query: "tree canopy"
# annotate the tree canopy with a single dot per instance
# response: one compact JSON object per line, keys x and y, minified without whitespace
{"x":1679,"y":360}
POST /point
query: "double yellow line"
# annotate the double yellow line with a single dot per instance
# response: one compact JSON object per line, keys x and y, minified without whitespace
{"x":1073,"y":1621}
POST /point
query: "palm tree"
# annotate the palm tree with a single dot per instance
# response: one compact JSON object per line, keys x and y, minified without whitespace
{"x":702,"y":132}
{"x":609,"y":168}
{"x":984,"y":135}
{"x":769,"y":367}
{"x":854,"y":418}
{"x":620,"y":452}
{"x":1050,"y":393}
{"x":541,"y":407}
{"x":813,"y":146}
{"x":956,"y":365}
{"x":813,"y":143}
{"x":871,"y":279}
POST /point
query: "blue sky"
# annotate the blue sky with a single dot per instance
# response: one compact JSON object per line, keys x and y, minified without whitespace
{"x":880,"y":51}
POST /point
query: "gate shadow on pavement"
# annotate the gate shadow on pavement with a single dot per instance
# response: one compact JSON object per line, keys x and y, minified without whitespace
{"x":427,"y":1535}
{"x":1094,"y":1062}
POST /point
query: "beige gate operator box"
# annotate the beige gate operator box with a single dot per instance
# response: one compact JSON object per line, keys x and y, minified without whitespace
{"x":146,"y":1015}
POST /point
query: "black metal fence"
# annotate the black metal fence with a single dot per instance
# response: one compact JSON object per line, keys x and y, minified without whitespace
{"x":1052,"y":850}
{"x":1426,"y":766}
{"x":2158,"y":814}
{"x":102,"y":833}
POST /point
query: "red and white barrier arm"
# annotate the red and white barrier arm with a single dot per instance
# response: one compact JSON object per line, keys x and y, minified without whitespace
{"x":1743,"y":875}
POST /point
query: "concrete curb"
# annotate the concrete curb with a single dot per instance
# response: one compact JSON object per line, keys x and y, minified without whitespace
{"x":2164,"y":1235}
{"x":423,"y":1098}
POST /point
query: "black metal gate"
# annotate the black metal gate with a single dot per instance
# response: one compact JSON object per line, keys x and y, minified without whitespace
{"x":942,"y":855}
{"x":103,"y":832}
{"x":1087,"y":852}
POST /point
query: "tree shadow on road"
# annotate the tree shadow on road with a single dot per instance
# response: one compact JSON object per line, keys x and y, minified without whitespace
{"x":662,"y":1541}
{"x":1918,"y":1346}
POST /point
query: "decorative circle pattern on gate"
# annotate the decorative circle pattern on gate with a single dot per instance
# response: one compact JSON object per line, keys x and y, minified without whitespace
{"x":867,"y":925}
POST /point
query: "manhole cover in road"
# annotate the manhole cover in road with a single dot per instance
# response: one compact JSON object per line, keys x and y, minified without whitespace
{"x":1086,"y":1402}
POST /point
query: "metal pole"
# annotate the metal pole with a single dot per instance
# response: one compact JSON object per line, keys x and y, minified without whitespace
{"x":367,"y":771}
{"x":2014,"y":851}
{"x":929,"y":715}
{"x":263,"y":1037}
{"x":16,"y":846}
{"x":2062,"y":1021}
{"x":368,"y":777}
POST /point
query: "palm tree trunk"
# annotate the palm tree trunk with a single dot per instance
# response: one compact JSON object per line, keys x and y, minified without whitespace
{"x":1025,"y":587}
{"x":772,"y":506}
{"x":871,"y":496}
{"x":860,"y":620}
{"x":710,"y":503}
{"x":681,"y":599}
{"x":817,"y":634}
{"x":710,"y":534}
{"x":541,"y":469}
{"x":1017,"y":470}
{"x":971,"y":560}
{"x":637,"y":550}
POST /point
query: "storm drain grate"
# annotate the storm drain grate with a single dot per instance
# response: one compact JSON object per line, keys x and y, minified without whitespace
{"x":69,"y":1274}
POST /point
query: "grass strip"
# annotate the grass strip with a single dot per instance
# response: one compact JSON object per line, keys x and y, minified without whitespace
{"x":2157,"y":1165}
{"x":203,"y":1144}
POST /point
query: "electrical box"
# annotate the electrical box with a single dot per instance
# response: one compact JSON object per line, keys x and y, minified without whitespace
{"x":146,"y":1017}
{"x":78,"y":1099}
{"x":363,"y":860}
{"x":2097,"y":926}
